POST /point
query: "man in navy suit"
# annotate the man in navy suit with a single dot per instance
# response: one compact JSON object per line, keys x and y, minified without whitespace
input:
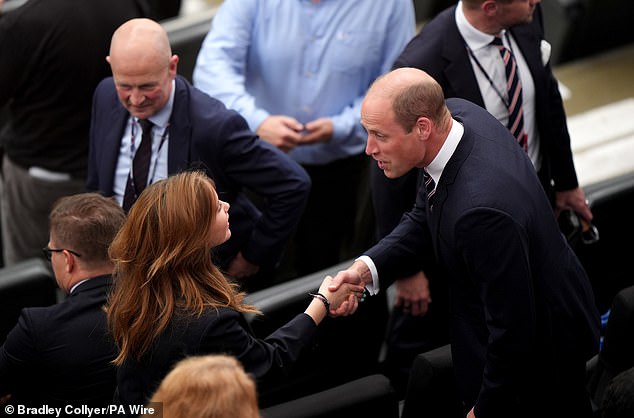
{"x":522,"y":310}
{"x":454,"y":48}
{"x":191,"y":130}
{"x":61,"y":355}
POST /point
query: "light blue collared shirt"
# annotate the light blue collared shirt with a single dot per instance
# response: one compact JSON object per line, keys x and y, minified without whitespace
{"x":303,"y":59}
{"x":158,"y":160}
{"x":435,"y":169}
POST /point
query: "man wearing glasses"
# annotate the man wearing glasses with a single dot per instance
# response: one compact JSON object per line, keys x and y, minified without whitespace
{"x":60,"y":355}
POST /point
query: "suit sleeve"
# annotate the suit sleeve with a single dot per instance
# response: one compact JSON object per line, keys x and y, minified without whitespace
{"x":552,"y":123}
{"x":495,"y":252}
{"x":562,"y":165}
{"x":18,"y":355}
{"x":251,"y":164}
{"x":263,"y":358}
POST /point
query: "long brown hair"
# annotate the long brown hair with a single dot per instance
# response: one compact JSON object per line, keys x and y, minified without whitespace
{"x":162,"y":258}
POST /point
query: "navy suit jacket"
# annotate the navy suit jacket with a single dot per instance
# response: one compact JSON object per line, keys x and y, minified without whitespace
{"x":522,"y":308}
{"x":216,"y":331}
{"x":440,"y":50}
{"x":204,"y":134}
{"x":60,"y":355}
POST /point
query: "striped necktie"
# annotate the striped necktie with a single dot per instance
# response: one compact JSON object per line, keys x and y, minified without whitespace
{"x":430,"y":185}
{"x":514,"y":87}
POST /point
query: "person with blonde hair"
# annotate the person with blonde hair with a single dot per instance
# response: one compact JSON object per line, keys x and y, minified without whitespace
{"x":207,"y":386}
{"x":170,"y":301}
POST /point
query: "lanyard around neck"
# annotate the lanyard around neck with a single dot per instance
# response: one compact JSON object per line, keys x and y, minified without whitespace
{"x":504,"y":98}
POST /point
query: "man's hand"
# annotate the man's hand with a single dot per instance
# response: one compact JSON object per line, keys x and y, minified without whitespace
{"x":412,"y":294}
{"x":347,"y":293}
{"x":319,"y":130}
{"x":574,"y":199}
{"x":357,"y":274}
{"x":283,"y":132}
{"x":240,"y":267}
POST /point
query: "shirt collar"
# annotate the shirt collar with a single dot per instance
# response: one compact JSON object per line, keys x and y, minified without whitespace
{"x":436,"y":167}
{"x":72,"y":289}
{"x":474,"y":38}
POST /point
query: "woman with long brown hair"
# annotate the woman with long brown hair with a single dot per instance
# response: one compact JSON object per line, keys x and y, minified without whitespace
{"x":170,"y":301}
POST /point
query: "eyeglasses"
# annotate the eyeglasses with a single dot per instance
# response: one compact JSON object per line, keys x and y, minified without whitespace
{"x":48,"y":252}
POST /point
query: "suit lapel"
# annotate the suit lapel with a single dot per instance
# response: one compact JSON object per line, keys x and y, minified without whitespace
{"x":111,"y":146}
{"x":529,"y":43}
{"x":459,"y":71}
{"x":180,"y":139}
{"x":447,"y":179}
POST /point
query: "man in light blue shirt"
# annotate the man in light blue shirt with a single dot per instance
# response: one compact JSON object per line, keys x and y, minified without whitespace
{"x":297,"y":70}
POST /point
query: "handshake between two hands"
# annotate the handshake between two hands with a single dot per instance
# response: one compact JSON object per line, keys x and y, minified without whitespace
{"x":344,"y":292}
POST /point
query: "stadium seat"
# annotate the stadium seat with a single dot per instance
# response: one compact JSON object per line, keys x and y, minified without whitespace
{"x":607,"y":261}
{"x":369,"y":396}
{"x":28,"y":283}
{"x":617,"y":350}
{"x":431,"y":390}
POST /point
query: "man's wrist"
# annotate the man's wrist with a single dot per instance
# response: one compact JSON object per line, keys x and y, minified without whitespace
{"x":364,"y":266}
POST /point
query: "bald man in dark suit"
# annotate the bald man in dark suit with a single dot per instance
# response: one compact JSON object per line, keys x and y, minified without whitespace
{"x":455,"y":49}
{"x":523,"y":319}
{"x":192,"y":130}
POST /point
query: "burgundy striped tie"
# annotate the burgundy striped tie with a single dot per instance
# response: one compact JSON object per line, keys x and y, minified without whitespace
{"x":514,"y":87}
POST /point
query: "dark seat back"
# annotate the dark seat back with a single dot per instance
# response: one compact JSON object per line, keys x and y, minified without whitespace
{"x":28,"y":283}
{"x":369,"y":396}
{"x":431,"y":390}
{"x":607,"y":261}
{"x":617,"y":351}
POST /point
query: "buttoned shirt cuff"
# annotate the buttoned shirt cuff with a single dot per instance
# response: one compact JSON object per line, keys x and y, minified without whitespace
{"x":256,"y":118}
{"x":374,"y":288}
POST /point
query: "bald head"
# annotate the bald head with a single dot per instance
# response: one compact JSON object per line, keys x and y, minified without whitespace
{"x":407,"y":121}
{"x":394,"y":82}
{"x":140,"y":40}
{"x":413,"y":93}
{"x":143,"y":66}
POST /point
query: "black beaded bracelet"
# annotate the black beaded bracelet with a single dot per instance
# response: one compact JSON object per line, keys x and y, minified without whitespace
{"x":322,"y":298}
